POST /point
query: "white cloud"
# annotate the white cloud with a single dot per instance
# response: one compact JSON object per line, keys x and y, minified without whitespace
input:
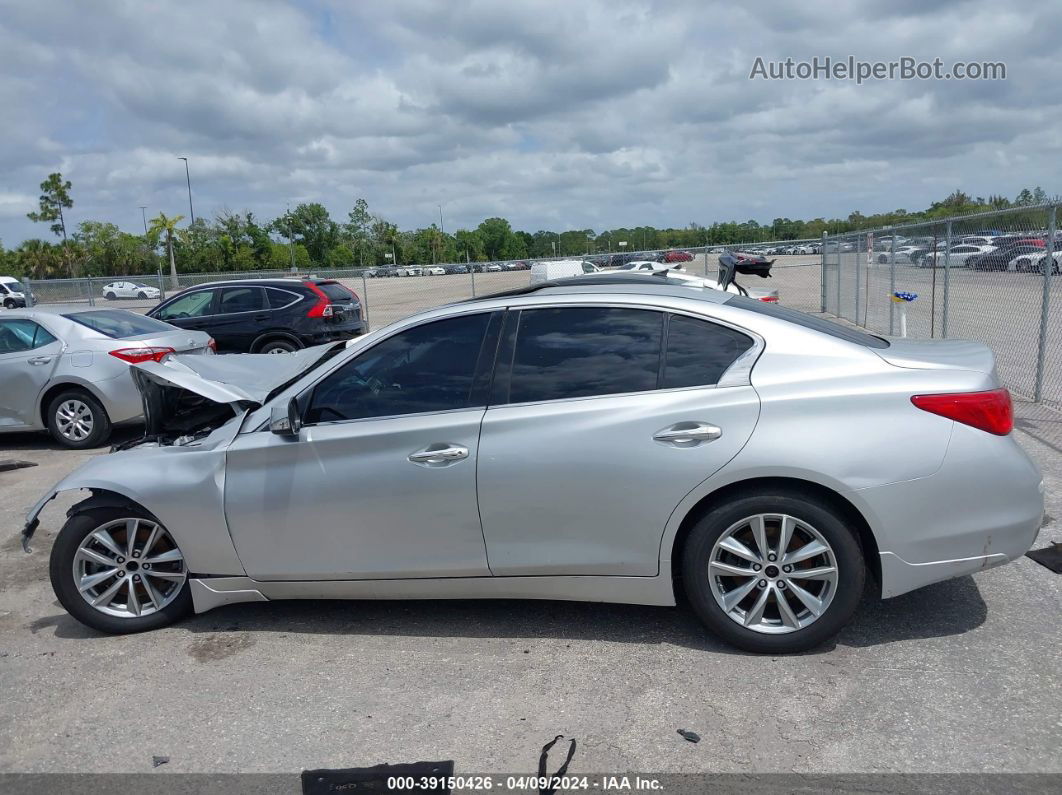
{"x":551,"y":113}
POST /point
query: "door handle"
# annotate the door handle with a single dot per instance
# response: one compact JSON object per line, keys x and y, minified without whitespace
{"x":688,"y":434}
{"x":262,"y":316}
{"x":40,"y":360}
{"x":439,"y":454}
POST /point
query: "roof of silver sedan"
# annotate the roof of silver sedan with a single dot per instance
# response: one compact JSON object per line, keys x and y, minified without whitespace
{"x":618,"y":283}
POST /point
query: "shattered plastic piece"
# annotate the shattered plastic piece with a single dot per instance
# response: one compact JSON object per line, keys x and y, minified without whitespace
{"x":692,"y":737}
{"x":159,"y":760}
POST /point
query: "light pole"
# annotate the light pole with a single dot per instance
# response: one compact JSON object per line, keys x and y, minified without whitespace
{"x":291,"y":244}
{"x":143,"y":214}
{"x":188,"y":179}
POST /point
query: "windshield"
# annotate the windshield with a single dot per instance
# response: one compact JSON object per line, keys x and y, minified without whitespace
{"x":119,"y":324}
{"x":328,"y":354}
{"x":15,"y":287}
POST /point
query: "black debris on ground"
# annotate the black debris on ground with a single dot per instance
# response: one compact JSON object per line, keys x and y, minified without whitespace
{"x":7,"y":464}
{"x":159,"y":760}
{"x":1051,"y":557}
{"x":689,"y":736}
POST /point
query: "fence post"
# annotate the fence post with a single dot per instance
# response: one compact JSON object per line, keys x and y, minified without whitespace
{"x":837,"y":307}
{"x":858,"y":256}
{"x":162,"y":285}
{"x":472,"y":273}
{"x":365,"y":301}
{"x":822,"y":273}
{"x":91,"y":296}
{"x":892,"y":284}
{"x":31,"y":300}
{"x":1045,"y":303}
{"x":947,"y":278}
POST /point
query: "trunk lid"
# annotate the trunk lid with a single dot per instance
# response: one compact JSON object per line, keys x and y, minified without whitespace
{"x":939,"y":355}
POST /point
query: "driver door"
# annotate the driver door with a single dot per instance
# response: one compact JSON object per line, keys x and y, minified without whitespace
{"x":381,"y":480}
{"x":29,"y":355}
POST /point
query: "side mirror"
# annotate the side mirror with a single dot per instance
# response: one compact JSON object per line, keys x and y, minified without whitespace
{"x":285,"y":420}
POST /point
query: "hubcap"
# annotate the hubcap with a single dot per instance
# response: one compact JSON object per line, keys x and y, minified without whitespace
{"x":74,"y":420}
{"x":773,"y":573}
{"x":278,"y":350}
{"x":110,"y":582}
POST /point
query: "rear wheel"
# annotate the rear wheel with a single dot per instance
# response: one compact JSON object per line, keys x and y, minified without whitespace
{"x":77,"y":420}
{"x":773,"y":573}
{"x":109,"y":296}
{"x":278,"y":346}
{"x":118,"y":570}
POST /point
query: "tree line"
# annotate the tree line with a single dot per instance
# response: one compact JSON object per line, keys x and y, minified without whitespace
{"x":307,"y":237}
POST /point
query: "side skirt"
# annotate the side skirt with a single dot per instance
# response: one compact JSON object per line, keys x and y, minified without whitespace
{"x":214,"y":592}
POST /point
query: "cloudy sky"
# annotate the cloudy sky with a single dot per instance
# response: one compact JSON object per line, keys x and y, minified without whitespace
{"x":556,"y":114}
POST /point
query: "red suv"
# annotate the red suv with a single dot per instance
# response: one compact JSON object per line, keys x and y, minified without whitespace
{"x":676,"y":256}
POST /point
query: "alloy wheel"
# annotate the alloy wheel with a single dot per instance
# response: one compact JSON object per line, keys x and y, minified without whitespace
{"x":773,"y":573}
{"x":129,"y":568}
{"x":74,"y":420}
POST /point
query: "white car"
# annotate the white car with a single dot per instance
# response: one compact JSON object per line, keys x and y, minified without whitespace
{"x":12,"y":293}
{"x":494,"y":268}
{"x":957,"y":255}
{"x":435,"y":270}
{"x":1032,"y":262}
{"x":644,"y":265}
{"x":903,"y":255}
{"x":140,"y":290}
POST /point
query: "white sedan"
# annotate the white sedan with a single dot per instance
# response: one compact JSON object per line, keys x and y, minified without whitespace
{"x":903,"y":255}
{"x":957,"y":256}
{"x":129,"y":290}
{"x":1032,"y":262}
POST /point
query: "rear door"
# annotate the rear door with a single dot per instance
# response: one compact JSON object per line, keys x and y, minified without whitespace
{"x":602,"y":419}
{"x":29,"y":355}
{"x":242,"y":315}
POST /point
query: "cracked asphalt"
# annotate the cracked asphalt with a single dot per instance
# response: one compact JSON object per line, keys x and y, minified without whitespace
{"x":962,"y":676}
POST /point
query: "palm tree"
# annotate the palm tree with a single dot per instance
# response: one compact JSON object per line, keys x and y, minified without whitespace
{"x":161,"y":225}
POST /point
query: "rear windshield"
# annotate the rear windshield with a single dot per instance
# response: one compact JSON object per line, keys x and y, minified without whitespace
{"x":808,"y":321}
{"x":335,"y":291}
{"x":119,"y":324}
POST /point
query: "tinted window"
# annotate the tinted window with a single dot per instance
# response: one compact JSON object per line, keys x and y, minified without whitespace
{"x":22,"y":335}
{"x":427,"y":368}
{"x":119,"y":324}
{"x":698,"y":352}
{"x":807,"y":321}
{"x":580,"y":351}
{"x":195,"y":304}
{"x":278,"y":299}
{"x":336,"y":292}
{"x":241,"y":299}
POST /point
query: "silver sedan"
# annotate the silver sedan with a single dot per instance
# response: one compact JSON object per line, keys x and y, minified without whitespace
{"x":68,"y":371}
{"x":590,"y":439}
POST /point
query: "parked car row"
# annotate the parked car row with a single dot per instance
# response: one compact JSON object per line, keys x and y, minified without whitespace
{"x":444,"y":270}
{"x":1021,"y":253}
{"x":68,"y":371}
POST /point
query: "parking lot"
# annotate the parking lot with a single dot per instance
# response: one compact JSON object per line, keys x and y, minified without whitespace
{"x":959,"y":676}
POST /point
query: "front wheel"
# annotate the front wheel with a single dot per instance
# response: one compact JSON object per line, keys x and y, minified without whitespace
{"x":141,"y":295}
{"x":118,"y":570}
{"x":9,"y":303}
{"x":773,"y":573}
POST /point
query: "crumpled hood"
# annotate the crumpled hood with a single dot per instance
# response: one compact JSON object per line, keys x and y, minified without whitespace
{"x":236,"y":378}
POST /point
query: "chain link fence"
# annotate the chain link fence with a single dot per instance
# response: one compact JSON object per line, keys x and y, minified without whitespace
{"x":987,"y":277}
{"x":392,"y":293}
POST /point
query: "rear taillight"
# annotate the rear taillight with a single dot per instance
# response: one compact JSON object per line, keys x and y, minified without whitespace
{"x":323,"y":307}
{"x":990,"y":411}
{"x":137,"y":355}
{"x":770,"y":299}
{"x":212,"y":344}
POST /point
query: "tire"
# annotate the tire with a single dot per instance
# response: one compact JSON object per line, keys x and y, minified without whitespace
{"x":141,"y":295}
{"x":175,"y":597}
{"x":110,"y":296}
{"x":9,"y":303}
{"x":70,"y":428}
{"x":278,"y":346}
{"x":773,"y":635}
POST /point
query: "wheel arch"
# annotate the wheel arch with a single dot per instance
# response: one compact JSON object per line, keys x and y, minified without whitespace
{"x":106,"y":498}
{"x":49,"y":394}
{"x":796,"y":486}
{"x":267,"y":336}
